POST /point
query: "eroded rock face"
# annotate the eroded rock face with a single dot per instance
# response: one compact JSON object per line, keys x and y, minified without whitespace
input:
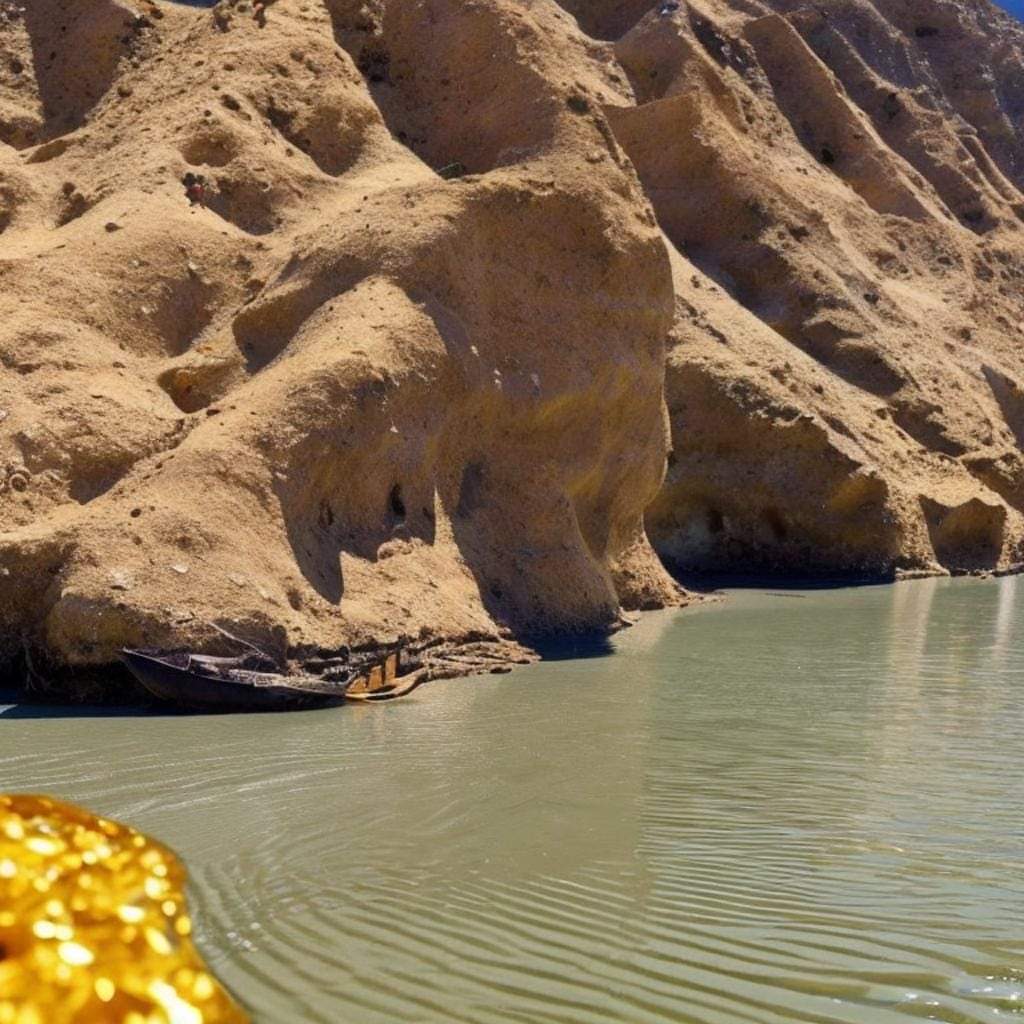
{"x":349,"y":398}
{"x":839,"y":186}
{"x":466,"y":272}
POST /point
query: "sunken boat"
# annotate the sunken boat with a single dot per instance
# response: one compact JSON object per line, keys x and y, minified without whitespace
{"x":203,"y":683}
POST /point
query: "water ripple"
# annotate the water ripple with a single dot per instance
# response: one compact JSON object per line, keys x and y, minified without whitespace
{"x":775,"y":811}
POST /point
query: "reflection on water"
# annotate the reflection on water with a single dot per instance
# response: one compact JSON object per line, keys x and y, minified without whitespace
{"x":771,"y":810}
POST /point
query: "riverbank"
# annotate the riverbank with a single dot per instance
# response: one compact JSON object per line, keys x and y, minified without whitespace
{"x":112,"y":685}
{"x":453,"y":657}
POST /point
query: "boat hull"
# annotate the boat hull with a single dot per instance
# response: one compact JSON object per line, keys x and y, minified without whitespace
{"x":200,"y":691}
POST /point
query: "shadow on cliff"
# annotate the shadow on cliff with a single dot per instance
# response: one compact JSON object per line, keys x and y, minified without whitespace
{"x":34,"y":688}
{"x":314,"y":543}
{"x":321,"y":521}
{"x":20,"y":702}
{"x":75,"y":54}
{"x":520,"y":539}
{"x":448,"y":80}
{"x":789,"y":583}
{"x":574,"y":648}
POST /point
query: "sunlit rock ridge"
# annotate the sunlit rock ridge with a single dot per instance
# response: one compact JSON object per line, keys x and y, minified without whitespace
{"x":492,"y":303}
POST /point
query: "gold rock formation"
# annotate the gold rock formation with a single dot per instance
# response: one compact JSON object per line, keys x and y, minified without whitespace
{"x":93,"y":924}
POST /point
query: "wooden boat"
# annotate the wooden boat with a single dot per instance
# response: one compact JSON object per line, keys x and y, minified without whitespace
{"x":202,"y":683}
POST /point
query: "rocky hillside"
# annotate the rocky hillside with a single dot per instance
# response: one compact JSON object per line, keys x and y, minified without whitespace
{"x":486,"y":300}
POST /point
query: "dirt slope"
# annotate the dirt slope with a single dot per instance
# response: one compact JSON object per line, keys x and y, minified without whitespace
{"x":353,"y":398}
{"x":844,"y":217}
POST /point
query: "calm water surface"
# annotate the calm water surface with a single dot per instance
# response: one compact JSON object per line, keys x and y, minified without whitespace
{"x":788,"y":808}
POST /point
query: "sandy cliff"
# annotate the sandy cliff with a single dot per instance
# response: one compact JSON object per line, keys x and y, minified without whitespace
{"x":845,"y":225}
{"x":470,"y":275}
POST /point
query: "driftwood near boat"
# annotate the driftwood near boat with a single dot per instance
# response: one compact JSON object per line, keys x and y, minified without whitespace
{"x":253,"y":682}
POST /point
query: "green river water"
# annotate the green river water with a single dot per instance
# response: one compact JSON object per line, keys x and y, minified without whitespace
{"x":796,"y":807}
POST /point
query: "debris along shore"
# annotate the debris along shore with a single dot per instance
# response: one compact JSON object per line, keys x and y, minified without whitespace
{"x":256,"y":680}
